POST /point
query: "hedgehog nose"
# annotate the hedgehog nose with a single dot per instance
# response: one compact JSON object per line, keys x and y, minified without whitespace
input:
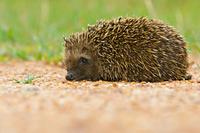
{"x":69,"y":76}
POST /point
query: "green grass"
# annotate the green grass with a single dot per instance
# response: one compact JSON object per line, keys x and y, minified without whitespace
{"x":33,"y":30}
{"x":27,"y":80}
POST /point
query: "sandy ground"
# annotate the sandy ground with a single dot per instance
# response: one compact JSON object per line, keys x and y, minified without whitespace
{"x":52,"y":105}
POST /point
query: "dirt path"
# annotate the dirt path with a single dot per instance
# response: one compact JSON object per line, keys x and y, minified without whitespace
{"x":51,"y":104}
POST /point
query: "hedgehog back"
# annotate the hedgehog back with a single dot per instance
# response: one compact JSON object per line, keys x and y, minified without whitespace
{"x":138,"y":50}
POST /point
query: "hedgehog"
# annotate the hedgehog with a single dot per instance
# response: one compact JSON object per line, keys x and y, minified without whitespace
{"x":126,"y":49}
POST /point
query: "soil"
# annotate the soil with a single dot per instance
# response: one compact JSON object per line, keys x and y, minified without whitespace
{"x":50,"y":104}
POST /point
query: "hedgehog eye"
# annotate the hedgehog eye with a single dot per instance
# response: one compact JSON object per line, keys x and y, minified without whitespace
{"x":83,"y":61}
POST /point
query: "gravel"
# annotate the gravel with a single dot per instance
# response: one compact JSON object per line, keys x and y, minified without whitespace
{"x":51,"y":104}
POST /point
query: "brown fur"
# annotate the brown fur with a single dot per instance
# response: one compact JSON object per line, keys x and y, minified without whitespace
{"x":128,"y":49}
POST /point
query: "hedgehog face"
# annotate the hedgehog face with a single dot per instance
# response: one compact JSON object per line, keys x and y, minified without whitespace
{"x":79,"y":62}
{"x":80,"y":67}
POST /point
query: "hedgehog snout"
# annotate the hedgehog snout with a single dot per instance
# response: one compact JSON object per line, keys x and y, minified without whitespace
{"x":70,"y":76}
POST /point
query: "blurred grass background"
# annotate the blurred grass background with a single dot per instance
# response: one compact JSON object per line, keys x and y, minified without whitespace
{"x":34,"y":29}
